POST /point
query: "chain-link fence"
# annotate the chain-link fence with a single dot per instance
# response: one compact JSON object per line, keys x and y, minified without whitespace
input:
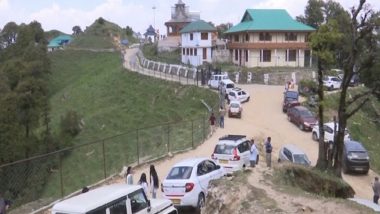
{"x":46,"y":178}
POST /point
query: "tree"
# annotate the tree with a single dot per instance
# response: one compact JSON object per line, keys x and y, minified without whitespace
{"x":359,"y":57}
{"x":313,"y":13}
{"x":9,"y":34}
{"x":129,"y":31}
{"x":77,"y":30}
{"x":223,"y":28}
{"x":323,"y":43}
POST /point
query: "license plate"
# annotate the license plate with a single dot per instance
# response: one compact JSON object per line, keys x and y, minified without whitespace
{"x":176,"y":201}
{"x":359,"y":168}
{"x":223,"y":161}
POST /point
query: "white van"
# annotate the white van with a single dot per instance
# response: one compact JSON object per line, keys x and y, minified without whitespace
{"x":114,"y":199}
{"x":215,"y":79}
{"x":227,"y":85}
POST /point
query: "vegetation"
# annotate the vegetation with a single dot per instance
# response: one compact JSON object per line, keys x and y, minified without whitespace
{"x":172,"y":57}
{"x":52,"y":34}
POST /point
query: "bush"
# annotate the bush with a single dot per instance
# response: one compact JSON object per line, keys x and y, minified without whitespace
{"x":307,"y":87}
{"x":70,"y":124}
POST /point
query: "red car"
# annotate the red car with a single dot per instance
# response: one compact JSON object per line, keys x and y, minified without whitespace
{"x":302,"y":117}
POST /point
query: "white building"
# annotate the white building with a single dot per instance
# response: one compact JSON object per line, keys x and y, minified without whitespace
{"x":197,"y":42}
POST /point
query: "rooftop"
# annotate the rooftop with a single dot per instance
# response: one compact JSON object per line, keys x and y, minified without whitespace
{"x":59,"y":40}
{"x":268,"y":20}
{"x":198,"y":26}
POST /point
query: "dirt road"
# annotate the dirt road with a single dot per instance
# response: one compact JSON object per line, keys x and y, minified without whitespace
{"x":262,"y":117}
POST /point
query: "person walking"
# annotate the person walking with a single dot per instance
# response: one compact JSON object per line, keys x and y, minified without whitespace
{"x":142,"y":182}
{"x":376,"y":190}
{"x":212,"y":122}
{"x":268,"y":151}
{"x":4,"y":204}
{"x":222,"y":112}
{"x":129,"y":176}
{"x":154,"y":183}
{"x":253,"y":158}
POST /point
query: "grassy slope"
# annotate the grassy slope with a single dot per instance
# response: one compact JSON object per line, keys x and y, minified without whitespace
{"x":112,"y":101}
{"x":171,"y":57}
{"x":362,"y":126}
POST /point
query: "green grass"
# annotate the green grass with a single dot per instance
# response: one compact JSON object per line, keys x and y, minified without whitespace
{"x":113,"y":101}
{"x":170,"y":57}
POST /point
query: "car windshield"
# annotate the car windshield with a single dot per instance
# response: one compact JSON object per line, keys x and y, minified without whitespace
{"x":301,"y":159}
{"x":230,"y":86}
{"x":306,"y":114}
{"x":224,"y":149}
{"x":235,"y":105}
{"x":180,"y":172}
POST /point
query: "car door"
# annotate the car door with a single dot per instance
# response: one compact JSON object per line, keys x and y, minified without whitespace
{"x":240,"y":96}
{"x":203,"y":175}
{"x":329,"y":133}
{"x":245,"y":152}
{"x":244,"y":95}
{"x":138,"y":202}
{"x":336,"y":82}
{"x":297,"y":116}
{"x":214,"y":171}
{"x":232,"y":96}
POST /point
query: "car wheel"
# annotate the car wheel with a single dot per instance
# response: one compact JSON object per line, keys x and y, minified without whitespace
{"x":314,"y":136}
{"x":301,"y":127}
{"x":331,"y":88}
{"x":248,"y":99}
{"x":289,"y":119}
{"x":240,"y":115}
{"x":201,"y":201}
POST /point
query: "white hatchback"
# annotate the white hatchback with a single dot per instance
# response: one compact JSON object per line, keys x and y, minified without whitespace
{"x":238,"y":94}
{"x":328,"y":129}
{"x":187,"y":182}
{"x":232,"y":152}
{"x":332,"y":82}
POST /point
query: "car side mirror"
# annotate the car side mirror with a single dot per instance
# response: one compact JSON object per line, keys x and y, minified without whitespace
{"x":149,"y":208}
{"x":217,"y":166}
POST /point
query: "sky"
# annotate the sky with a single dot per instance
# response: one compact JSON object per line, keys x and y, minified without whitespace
{"x":139,"y":14}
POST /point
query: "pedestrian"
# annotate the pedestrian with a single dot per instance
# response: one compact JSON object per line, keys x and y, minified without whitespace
{"x":287,"y":86}
{"x":129,"y":176}
{"x":376,"y":190}
{"x":253,"y":158}
{"x":212,"y":122}
{"x":227,"y":98}
{"x":154,"y":183}
{"x":142,"y":182}
{"x":85,"y":189}
{"x":268,"y":151}
{"x":222,"y":112}
{"x":4,"y":204}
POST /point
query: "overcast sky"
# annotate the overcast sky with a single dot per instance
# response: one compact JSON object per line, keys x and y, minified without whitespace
{"x":139,"y":14}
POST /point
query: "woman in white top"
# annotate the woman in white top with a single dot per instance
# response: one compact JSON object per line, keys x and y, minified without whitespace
{"x":153,"y":181}
{"x":129,"y":176}
{"x":144,"y":183}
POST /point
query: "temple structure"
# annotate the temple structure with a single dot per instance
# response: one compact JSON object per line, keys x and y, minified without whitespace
{"x":181,"y":16}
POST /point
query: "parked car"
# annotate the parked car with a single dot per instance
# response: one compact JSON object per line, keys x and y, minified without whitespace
{"x":114,"y":198}
{"x":355,"y":80}
{"x":329,"y":132}
{"x":290,"y":100}
{"x":227,"y":85}
{"x":302,"y":117}
{"x":235,"y":109}
{"x":187,"y":182}
{"x":238,"y":94}
{"x":293,"y":154}
{"x":232,"y":152}
{"x":355,"y":157}
{"x":332,"y":82}
{"x":215,"y":79}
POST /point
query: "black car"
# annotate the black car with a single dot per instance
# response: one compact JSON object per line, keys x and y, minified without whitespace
{"x":355,"y":157}
{"x":290,"y":100}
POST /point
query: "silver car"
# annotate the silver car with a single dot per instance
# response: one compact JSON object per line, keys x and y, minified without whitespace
{"x":293,"y":154}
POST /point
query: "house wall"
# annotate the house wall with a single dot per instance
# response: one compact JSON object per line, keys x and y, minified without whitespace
{"x":189,"y":46}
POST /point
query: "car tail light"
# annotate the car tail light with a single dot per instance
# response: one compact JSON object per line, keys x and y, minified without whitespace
{"x":236,"y":156}
{"x":213,"y":156}
{"x":189,"y":187}
{"x":162,"y":188}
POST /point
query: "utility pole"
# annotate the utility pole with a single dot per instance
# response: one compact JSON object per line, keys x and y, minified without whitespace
{"x":154,"y":17}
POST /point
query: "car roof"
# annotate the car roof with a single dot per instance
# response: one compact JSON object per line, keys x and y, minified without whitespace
{"x":232,"y":139}
{"x":190,"y":162}
{"x":302,"y":108}
{"x":352,"y":145}
{"x":227,"y":81}
{"x":94,"y":198}
{"x":237,"y":89}
{"x":235,"y":101}
{"x":294,"y":149}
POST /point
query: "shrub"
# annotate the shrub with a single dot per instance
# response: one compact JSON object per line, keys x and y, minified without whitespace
{"x":307,"y":87}
{"x":70,"y":124}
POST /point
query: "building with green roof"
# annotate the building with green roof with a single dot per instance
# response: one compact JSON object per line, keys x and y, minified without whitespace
{"x":269,"y":37}
{"x":59,"y":42}
{"x":197,"y":39}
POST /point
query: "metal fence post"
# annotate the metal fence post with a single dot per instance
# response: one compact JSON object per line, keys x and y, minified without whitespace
{"x":204,"y":128}
{"x":104,"y":160}
{"x":137,"y":147}
{"x":168,"y":138}
{"x":192,"y":134}
{"x":61,"y":174}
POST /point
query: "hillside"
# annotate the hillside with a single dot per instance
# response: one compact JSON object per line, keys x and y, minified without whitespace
{"x":99,"y":35}
{"x":52,"y":34}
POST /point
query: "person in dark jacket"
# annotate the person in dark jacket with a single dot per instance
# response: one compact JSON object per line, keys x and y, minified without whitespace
{"x":268,"y":151}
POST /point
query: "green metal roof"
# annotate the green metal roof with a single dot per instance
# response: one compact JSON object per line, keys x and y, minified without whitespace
{"x":59,"y":40}
{"x":198,"y":26}
{"x":268,"y":20}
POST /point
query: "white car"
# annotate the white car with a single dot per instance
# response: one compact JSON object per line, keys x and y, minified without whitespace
{"x":329,"y":132}
{"x":235,"y":109}
{"x":238,"y":94}
{"x":232,"y":152}
{"x":332,"y":82}
{"x":215,"y":79}
{"x":293,"y":154}
{"x":187,"y":182}
{"x":227,"y":85}
{"x":114,"y":198}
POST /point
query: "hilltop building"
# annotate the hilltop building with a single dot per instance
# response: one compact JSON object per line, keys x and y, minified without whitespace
{"x":269,"y":37}
{"x":59,"y":42}
{"x":181,"y":16}
{"x":197,"y":40}
{"x":150,"y":34}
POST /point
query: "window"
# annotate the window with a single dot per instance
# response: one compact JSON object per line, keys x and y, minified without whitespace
{"x":246,"y":55}
{"x":236,"y":38}
{"x":307,"y":37}
{"x":288,"y":154}
{"x":195,"y":52}
{"x":204,"y":36}
{"x":202,"y":169}
{"x":204,"y":53}
{"x":328,"y":129}
{"x":265,"y":37}
{"x":290,"y":55}
{"x":290,"y":37}
{"x":187,"y":51}
{"x":138,"y":201}
{"x":224,"y":149}
{"x":180,"y":172}
{"x":191,"y":36}
{"x":247,"y":37}
{"x":243,"y":147}
{"x":210,"y":166}
{"x":265,"y":56}
{"x":118,"y":207}
{"x":101,"y":210}
{"x":191,"y":51}
{"x":236,"y":54}
{"x":183,"y":51}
